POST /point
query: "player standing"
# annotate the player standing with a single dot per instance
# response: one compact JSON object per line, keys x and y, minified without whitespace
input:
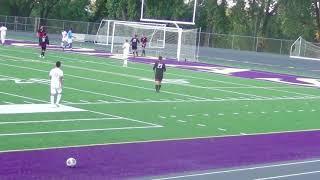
{"x":40,"y":33}
{"x":3,"y":34}
{"x":70,"y":36}
{"x":44,"y":42}
{"x":64,"y":39}
{"x":126,"y":51}
{"x":134,"y":45}
{"x":144,"y":41}
{"x":56,"y":77}
{"x":159,"y":68}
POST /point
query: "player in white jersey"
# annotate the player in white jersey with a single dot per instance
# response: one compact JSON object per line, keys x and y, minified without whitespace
{"x":3,"y":33}
{"x":126,"y":51}
{"x":64,"y":39}
{"x":56,"y":77}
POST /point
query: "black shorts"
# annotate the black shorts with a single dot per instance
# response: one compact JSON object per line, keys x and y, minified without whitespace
{"x":158,"y":77}
{"x":43,"y":48}
{"x":134,"y":47}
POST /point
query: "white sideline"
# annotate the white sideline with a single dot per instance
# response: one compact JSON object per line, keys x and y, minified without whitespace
{"x":35,"y":108}
{"x":56,"y":120}
{"x":289,"y":175}
{"x":240,"y":169}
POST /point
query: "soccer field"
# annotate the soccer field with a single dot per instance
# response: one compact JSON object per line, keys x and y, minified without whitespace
{"x":113,"y":104}
{"x":117,"y":126}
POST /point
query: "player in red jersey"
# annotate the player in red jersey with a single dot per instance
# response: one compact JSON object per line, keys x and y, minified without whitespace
{"x":144,"y":41}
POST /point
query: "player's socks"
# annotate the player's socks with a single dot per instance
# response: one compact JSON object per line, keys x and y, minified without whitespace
{"x":52,"y":99}
{"x":156,"y":87}
{"x":58,"y":98}
{"x":159,"y":87}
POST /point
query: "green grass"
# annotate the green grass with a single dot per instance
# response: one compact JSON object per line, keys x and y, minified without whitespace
{"x":122,"y":108}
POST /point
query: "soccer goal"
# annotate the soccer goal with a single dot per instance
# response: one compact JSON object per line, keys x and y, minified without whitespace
{"x":169,"y":42}
{"x":303,"y":49}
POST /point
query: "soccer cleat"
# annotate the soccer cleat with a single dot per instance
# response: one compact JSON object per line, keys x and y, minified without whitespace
{"x":57,"y":105}
{"x":40,"y":56}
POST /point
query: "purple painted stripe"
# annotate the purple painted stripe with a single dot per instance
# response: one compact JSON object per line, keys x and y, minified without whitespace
{"x":158,"y":158}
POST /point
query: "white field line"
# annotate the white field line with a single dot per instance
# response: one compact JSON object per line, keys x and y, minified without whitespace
{"x":257,"y":87}
{"x":192,"y":101}
{"x":24,"y":97}
{"x":226,"y":91}
{"x":7,"y":102}
{"x":239,"y":170}
{"x":186,"y":76}
{"x":28,"y":102}
{"x":289,"y":175}
{"x":160,"y":140}
{"x":85,"y":91}
{"x":129,"y":119}
{"x":103,"y":81}
{"x":55,"y":120}
{"x":74,"y":130}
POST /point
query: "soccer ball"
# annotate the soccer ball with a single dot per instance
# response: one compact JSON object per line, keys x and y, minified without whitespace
{"x":71,"y":162}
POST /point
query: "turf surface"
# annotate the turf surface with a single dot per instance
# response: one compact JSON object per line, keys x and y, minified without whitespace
{"x":122,"y":106}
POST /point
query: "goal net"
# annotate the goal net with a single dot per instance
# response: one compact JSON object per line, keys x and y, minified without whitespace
{"x":305,"y":50}
{"x":169,"y":42}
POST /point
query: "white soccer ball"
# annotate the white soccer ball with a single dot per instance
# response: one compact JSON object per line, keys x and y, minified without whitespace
{"x":71,"y":162}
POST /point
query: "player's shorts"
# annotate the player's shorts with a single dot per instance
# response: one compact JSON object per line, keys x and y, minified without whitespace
{"x":125,"y":56}
{"x":44,"y":48}
{"x":144,"y":45}
{"x":64,"y":39}
{"x":69,"y":41}
{"x":158,"y":77}
{"x":134,"y":47}
{"x":56,"y":90}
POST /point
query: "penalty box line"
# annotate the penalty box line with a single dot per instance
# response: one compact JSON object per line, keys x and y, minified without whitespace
{"x":129,"y":119}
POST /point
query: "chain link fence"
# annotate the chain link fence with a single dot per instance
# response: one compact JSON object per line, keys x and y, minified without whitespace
{"x":244,"y":43}
{"x":25,"y":28}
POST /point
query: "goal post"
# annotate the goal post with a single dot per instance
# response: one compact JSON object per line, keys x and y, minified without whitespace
{"x":169,"y":42}
{"x":302,"y":49}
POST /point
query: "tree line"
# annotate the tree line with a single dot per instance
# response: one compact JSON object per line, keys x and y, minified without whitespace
{"x":286,"y":19}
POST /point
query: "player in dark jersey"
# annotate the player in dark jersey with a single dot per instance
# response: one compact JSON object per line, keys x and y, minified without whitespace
{"x":159,"y":68}
{"x":144,"y":41}
{"x":43,"y":43}
{"x":134,"y":45}
{"x":41,"y":31}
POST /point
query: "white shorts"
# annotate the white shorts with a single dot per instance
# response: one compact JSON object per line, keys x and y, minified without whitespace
{"x":125,"y":56}
{"x":64,"y":39}
{"x":56,"y":90}
{"x":69,"y":41}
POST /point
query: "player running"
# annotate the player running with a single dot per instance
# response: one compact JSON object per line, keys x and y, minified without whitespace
{"x":159,"y":68}
{"x":44,"y":41}
{"x":3,"y":34}
{"x":126,"y":51}
{"x":144,"y":41}
{"x":56,"y":77}
{"x":134,"y":45}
